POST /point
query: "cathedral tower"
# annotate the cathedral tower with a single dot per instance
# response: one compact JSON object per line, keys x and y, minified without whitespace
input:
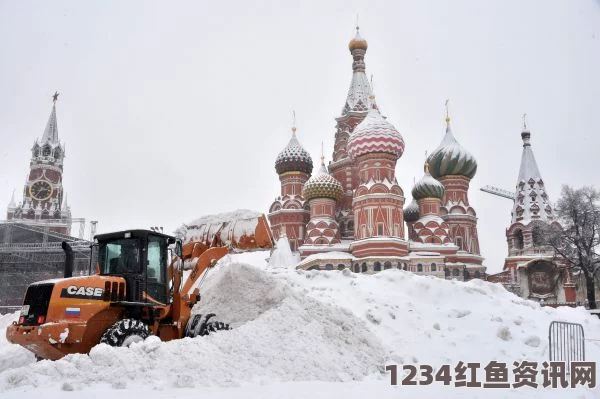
{"x":531,"y":267}
{"x":355,"y":109}
{"x":454,"y":167}
{"x":289,"y":213}
{"x":375,"y":145}
{"x":321,"y":191}
{"x":44,"y":201}
{"x":430,"y":227}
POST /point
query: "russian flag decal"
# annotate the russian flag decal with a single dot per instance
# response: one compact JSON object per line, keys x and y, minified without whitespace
{"x":73,"y":312}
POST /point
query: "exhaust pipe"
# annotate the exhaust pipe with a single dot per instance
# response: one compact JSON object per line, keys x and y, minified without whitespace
{"x":68,"y":259}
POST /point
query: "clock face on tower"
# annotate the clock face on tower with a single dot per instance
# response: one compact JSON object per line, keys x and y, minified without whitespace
{"x":40,"y":190}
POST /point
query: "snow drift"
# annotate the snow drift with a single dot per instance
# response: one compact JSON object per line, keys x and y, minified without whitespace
{"x":326,"y":326}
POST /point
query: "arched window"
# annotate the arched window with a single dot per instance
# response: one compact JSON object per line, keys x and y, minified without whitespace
{"x":377,"y":266}
{"x":364,"y":267}
{"x":356,"y":268}
{"x":405,"y":267}
{"x":419,"y":267}
{"x":433,"y":267}
{"x":446,"y":272}
{"x":341,"y":267}
{"x":518,"y":242}
{"x":329,"y":266}
{"x":455,"y":272}
{"x":46,"y":151}
{"x":387,"y":265}
{"x":477,"y":274}
{"x":350,"y":226}
{"x":314,"y":267}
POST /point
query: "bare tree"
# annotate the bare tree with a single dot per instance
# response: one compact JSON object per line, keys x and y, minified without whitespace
{"x":578,"y":240}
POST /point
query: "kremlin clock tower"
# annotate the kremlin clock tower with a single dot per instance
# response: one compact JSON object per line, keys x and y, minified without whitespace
{"x":44,"y":202}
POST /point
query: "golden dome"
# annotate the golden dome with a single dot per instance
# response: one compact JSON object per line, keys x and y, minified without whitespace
{"x":357,"y":42}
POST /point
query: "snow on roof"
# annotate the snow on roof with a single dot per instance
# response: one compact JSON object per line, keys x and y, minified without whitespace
{"x":51,"y":130}
{"x":531,"y":201}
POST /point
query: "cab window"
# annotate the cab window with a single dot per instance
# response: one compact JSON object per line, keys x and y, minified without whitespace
{"x":119,"y":256}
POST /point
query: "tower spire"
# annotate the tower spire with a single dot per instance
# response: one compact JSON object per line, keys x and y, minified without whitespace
{"x":531,"y":200}
{"x":293,"y":123}
{"x":12,"y":202}
{"x":447,"y":112}
{"x":51,"y":130}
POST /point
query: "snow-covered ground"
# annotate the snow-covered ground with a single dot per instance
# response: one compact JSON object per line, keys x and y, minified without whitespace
{"x":318,"y":334}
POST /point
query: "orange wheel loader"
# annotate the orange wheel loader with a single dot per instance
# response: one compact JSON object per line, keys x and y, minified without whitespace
{"x":136,"y":291}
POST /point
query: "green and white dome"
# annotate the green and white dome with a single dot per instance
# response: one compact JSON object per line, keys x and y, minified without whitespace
{"x":450,"y":158}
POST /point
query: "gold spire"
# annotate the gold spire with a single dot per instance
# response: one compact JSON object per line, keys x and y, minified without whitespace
{"x":426,"y":166}
{"x":322,"y":155}
{"x":447,"y":112}
{"x":293,"y":123}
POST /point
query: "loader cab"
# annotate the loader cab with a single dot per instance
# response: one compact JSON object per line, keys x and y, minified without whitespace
{"x":141,"y":258}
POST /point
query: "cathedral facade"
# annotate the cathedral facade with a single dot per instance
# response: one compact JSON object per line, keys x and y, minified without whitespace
{"x":351,"y":213}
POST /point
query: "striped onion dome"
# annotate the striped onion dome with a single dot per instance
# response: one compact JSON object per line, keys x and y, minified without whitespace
{"x":293,"y":158}
{"x":322,"y":185}
{"x":427,"y":187}
{"x":375,"y":135}
{"x":450,"y":158}
{"x":411,"y":212}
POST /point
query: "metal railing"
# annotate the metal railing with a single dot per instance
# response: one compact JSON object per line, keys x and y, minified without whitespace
{"x":40,"y":246}
{"x":566,"y":342}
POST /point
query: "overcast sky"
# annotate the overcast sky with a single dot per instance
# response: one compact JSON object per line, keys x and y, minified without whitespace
{"x":171,"y":110}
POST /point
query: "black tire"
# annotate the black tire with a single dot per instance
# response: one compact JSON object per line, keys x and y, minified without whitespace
{"x":199,"y":325}
{"x":192,"y":324}
{"x":125,"y":332}
{"x":208,"y":327}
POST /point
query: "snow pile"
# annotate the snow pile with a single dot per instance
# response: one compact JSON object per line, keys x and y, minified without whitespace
{"x":279,"y":335}
{"x":11,"y":356}
{"x":326,"y":326}
{"x":428,"y":320}
{"x":282,"y":256}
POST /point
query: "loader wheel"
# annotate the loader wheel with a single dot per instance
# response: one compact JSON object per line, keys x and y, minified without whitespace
{"x":125,"y":332}
{"x":200,"y":325}
{"x":208,"y":327}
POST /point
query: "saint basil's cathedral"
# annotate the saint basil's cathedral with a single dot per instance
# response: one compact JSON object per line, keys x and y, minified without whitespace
{"x":352,"y":212}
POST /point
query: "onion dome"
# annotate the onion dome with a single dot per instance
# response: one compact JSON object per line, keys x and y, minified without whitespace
{"x":411,"y":212}
{"x":374,"y":134}
{"x":293,"y":158}
{"x":357,"y":42}
{"x":322,"y":185}
{"x":450,"y":158}
{"x":427,"y":187}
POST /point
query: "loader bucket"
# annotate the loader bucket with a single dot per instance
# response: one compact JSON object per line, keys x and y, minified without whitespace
{"x":240,"y":231}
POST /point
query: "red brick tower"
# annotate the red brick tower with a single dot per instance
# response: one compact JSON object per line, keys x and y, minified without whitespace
{"x":289,"y":213}
{"x":44,"y":202}
{"x":430,"y":227}
{"x":356,"y":107}
{"x":321,"y":191}
{"x":454,"y":167}
{"x":375,"y":146}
